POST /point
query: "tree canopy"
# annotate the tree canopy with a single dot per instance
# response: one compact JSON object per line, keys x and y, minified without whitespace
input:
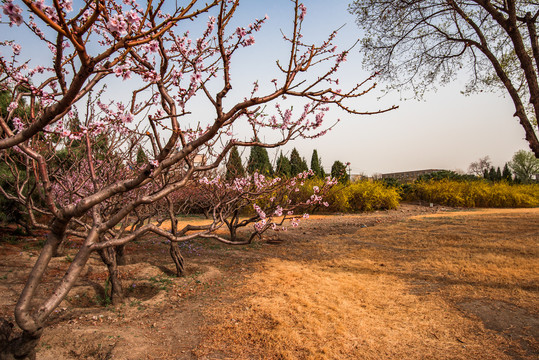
{"x":338,"y":171}
{"x":415,"y":44}
{"x":524,"y":165}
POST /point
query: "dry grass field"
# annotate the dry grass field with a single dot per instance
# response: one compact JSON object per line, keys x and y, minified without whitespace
{"x":414,"y":283}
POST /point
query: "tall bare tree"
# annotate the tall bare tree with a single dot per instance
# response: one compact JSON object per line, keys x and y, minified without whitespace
{"x":417,"y":43}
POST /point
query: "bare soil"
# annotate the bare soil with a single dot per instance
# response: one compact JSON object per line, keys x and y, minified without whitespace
{"x":413,"y":283}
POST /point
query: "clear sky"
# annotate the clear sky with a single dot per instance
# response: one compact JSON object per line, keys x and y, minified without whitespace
{"x":445,"y":130}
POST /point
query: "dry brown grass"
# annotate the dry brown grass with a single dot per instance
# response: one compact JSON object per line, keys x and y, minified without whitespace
{"x":425,"y":288}
{"x":380,"y":285}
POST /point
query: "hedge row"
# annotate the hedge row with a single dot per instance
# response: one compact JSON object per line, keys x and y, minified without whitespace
{"x":355,"y":197}
{"x":370,"y":196}
{"x":474,"y":194}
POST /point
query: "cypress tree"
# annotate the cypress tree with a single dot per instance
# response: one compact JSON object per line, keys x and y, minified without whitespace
{"x":259,"y":161}
{"x":506,"y":174}
{"x":304,"y":166}
{"x":141,"y":156}
{"x":297,"y":164}
{"x":492,"y":174}
{"x":283,"y":166}
{"x":498,"y":174}
{"x":315,"y":165}
{"x":234,"y":167}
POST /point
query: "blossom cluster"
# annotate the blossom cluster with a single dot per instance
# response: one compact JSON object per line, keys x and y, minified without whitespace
{"x":269,"y":198}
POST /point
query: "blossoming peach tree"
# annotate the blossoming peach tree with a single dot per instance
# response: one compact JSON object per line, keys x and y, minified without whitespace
{"x":71,"y":143}
{"x":264,"y":202}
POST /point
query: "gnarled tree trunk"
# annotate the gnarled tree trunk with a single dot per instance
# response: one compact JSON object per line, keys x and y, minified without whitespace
{"x":116,"y":294}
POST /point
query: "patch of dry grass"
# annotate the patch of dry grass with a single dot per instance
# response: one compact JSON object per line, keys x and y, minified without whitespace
{"x":389,"y":292}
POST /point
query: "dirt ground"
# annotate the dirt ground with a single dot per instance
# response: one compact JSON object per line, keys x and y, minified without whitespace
{"x":412,"y":283}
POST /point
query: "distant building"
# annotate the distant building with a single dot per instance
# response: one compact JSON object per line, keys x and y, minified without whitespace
{"x":408,"y":176}
{"x":358,"y":177}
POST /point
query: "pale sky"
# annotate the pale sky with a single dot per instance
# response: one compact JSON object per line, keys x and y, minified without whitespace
{"x":445,"y":130}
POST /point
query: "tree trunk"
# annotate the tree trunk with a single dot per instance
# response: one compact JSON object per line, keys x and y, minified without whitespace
{"x":23,"y":346}
{"x":115,"y":295}
{"x":233,"y":232}
{"x":175,"y":253}
{"x":120,"y":255}
{"x":61,"y":249}
{"x":177,"y":258}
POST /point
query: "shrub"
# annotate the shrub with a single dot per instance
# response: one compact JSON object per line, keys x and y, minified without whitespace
{"x":476,"y":194}
{"x":362,"y":196}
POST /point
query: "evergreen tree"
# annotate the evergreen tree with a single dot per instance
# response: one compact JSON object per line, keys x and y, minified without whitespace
{"x":492,"y":174}
{"x":506,"y":174}
{"x":315,"y":165}
{"x":259,"y":161}
{"x":234,"y":167}
{"x":304,"y":166}
{"x":338,"y":170}
{"x":282,"y":167}
{"x":142,"y":158}
{"x":498,"y":174}
{"x":297,"y":164}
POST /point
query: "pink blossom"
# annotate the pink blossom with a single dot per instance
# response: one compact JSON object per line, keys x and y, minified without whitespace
{"x":127,"y":117}
{"x":196,"y":77}
{"x":154,"y":163}
{"x":67,"y":5}
{"x":241,"y":32}
{"x":117,"y":24}
{"x":259,"y":226}
{"x":341,"y":57}
{"x":153,"y":46}
{"x":150,"y":76}
{"x":133,"y":18}
{"x":259,"y":211}
{"x":16,"y":49}
{"x":17,"y":123}
{"x":14,"y":13}
{"x":303,"y":10}
{"x":249,"y":41}
{"x":39,"y":4}
{"x":12,"y":106}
